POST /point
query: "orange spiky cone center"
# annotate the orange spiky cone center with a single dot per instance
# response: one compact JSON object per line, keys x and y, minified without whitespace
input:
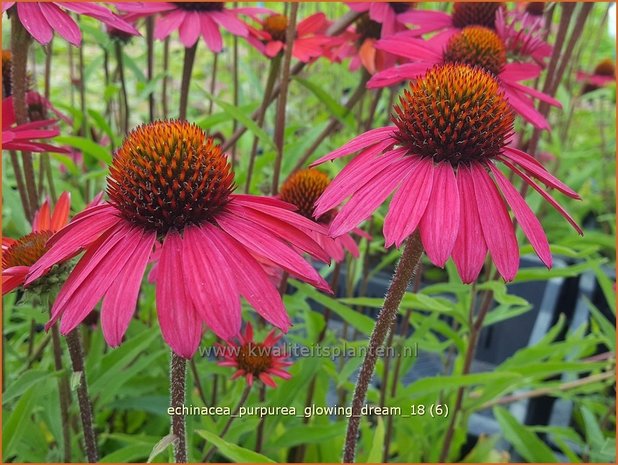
{"x":276,"y":25}
{"x":605,"y":68}
{"x":455,"y":113}
{"x":27,"y":250}
{"x":477,"y":46}
{"x":255,"y":358}
{"x":303,"y":189}
{"x":475,"y":14}
{"x":367,"y":28}
{"x":168,"y":175}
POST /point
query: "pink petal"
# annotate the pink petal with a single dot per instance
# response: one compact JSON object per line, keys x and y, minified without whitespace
{"x":251,"y":280}
{"x":120,"y":299}
{"x":360,"y":142}
{"x":388,"y":77}
{"x":211,"y":34}
{"x":230,"y":22}
{"x":168,"y":23}
{"x":61,"y":22}
{"x":412,"y":48}
{"x":13,"y":277}
{"x":282,"y":213}
{"x":439,"y":225}
{"x":526,"y":109}
{"x":369,"y":197}
{"x":270,"y":201}
{"x":212,"y":283}
{"x":267,"y":380}
{"x":378,"y":11}
{"x":409,"y":203}
{"x":427,"y":20}
{"x":534,"y":93}
{"x":33,"y":19}
{"x":273,"y":47}
{"x":311,"y":24}
{"x":100,"y":13}
{"x":179,"y":320}
{"x":470,"y":248}
{"x":520,"y":71}
{"x":538,"y":171}
{"x":42,"y":218}
{"x":190,"y":29}
{"x":526,"y":218}
{"x":496,"y":224}
{"x":62,"y":209}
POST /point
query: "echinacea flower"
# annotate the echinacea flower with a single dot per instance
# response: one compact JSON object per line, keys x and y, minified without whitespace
{"x":473,"y":45}
{"x":604,"y":74}
{"x":451,"y":129}
{"x":22,"y":136}
{"x":392,"y":16}
{"x":255,"y":360}
{"x":42,"y":19}
{"x":193,"y":19}
{"x":309,"y":40}
{"x":18,"y":255}
{"x":169,"y":183}
{"x":302,"y":189}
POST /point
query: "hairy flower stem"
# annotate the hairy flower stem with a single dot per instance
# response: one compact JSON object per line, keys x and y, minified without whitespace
{"x":283,"y":97}
{"x":259,"y":440}
{"x":230,"y":420}
{"x":333,"y":30}
{"x":166,"y":63}
{"x":64,"y":393}
{"x":236,"y":88}
{"x":334,"y":122}
{"x":85,"y":406}
{"x":178,"y":388}
{"x":124,"y":100}
{"x":405,"y":271}
{"x":187,"y":69}
{"x":20,"y":42}
{"x":150,"y":64}
{"x":82,"y":92}
{"x":270,"y":83}
{"x":213,"y":81}
{"x":21,"y":184}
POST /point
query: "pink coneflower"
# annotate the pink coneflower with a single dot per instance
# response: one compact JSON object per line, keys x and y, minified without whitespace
{"x":604,"y":74}
{"x":302,"y":189}
{"x":18,"y":255}
{"x":473,"y":45}
{"x":194,"y":19}
{"x":256,"y":360}
{"x":309,"y":40}
{"x":392,"y":16}
{"x":451,"y":128}
{"x":21,"y":137}
{"x":42,"y":19}
{"x":522,"y":31}
{"x":170,"y":183}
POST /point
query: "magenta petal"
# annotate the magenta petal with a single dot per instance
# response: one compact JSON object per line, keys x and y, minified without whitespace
{"x":526,"y":109}
{"x":527,"y":220}
{"x":179,"y":320}
{"x":470,"y":248}
{"x":168,"y":23}
{"x":61,"y":212}
{"x":520,"y":71}
{"x":360,"y":142}
{"x":100,"y":13}
{"x":409,"y":203}
{"x":190,"y":29}
{"x":411,"y":48}
{"x":120,"y":299}
{"x":369,"y":197}
{"x":273,"y":47}
{"x":311,"y":24}
{"x":212,"y":283}
{"x":282,"y":213}
{"x":42,"y":218}
{"x":61,"y":22}
{"x":251,"y":280}
{"x":496,"y":224}
{"x":13,"y":277}
{"x":439,"y":225}
{"x":538,"y":171}
{"x":211,"y":34}
{"x":230,"y":22}
{"x":397,"y":74}
{"x":33,"y":19}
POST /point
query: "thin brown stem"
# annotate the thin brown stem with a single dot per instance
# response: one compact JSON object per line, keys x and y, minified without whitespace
{"x":21,"y":184}
{"x":178,"y":388}
{"x":236,"y":93}
{"x":64,"y":394}
{"x":85,"y":406}
{"x":150,"y":64}
{"x":405,"y":271}
{"x":124,"y":104}
{"x":166,"y":63}
{"x":213,"y":81}
{"x":259,"y":439}
{"x":187,"y":69}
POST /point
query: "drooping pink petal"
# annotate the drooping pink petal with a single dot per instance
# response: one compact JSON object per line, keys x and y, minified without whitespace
{"x":256,"y":203}
{"x":62,"y":209}
{"x":13,"y":277}
{"x":211,"y":34}
{"x":520,"y":71}
{"x":270,"y":201}
{"x":526,"y":109}
{"x":273,"y":47}
{"x":267,"y":380}
{"x":168,"y":23}
{"x":369,"y":197}
{"x":61,"y":22}
{"x":536,"y":94}
{"x":390,"y":76}
{"x":366,"y":139}
{"x":230,"y":22}
{"x":528,"y":221}
{"x":411,"y":48}
{"x":538,"y":171}
{"x":190,"y":28}
{"x":426,"y":20}
{"x":100,"y":13}
{"x":180,"y":323}
{"x":439,"y":225}
{"x":120,"y":299}
{"x":211,"y":280}
{"x":378,"y":11}
{"x":33,"y":19}
{"x":409,"y":203}
{"x":42,"y":218}
{"x":470,"y":248}
{"x":311,"y":24}
{"x":496,"y":223}
{"x":251,"y":280}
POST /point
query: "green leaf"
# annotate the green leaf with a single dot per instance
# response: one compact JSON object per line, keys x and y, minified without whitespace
{"x":232,"y":451}
{"x":525,"y":442}
{"x":87,"y":146}
{"x":14,"y":424}
{"x":132,"y":453}
{"x":24,"y":382}
{"x":377,"y":445}
{"x":161,"y":446}
{"x":335,"y":108}
{"x":310,"y":434}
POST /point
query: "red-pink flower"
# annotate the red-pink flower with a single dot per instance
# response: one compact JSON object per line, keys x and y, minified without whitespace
{"x":170,"y":183}
{"x":393,"y":16}
{"x":473,"y":45}
{"x":604,"y":74}
{"x":522,"y":33}
{"x":255,"y":360}
{"x":42,"y":19}
{"x":451,"y":128}
{"x":302,"y":189}
{"x":22,"y":136}
{"x":18,"y":255}
{"x":193,"y":19}
{"x":309,"y":40}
